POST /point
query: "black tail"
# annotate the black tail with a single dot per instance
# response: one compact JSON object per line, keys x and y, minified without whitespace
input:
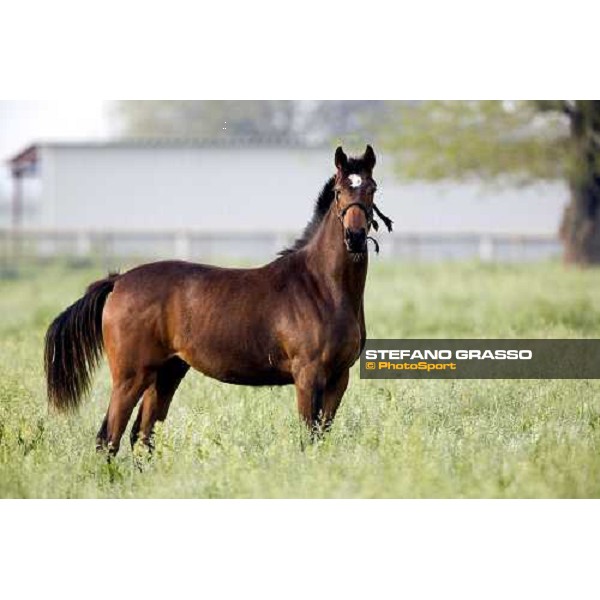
{"x":74,"y":346}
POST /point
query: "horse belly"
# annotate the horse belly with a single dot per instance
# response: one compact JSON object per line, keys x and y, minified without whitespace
{"x":255,"y":379}
{"x":237,"y":368}
{"x":239,"y":376}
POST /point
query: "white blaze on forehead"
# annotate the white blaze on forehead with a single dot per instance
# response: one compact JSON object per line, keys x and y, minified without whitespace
{"x":355,"y":180}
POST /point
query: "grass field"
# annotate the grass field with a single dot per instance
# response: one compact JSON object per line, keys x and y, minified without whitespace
{"x":391,"y":438}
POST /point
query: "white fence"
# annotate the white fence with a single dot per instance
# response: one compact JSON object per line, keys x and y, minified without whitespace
{"x":111,"y":246}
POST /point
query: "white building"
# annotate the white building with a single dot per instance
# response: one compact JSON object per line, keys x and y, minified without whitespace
{"x":234,"y":186}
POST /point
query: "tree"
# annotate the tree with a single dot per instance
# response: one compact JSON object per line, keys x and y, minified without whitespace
{"x":308,"y":121}
{"x":206,"y":119}
{"x":345,"y":121}
{"x":517,"y":142}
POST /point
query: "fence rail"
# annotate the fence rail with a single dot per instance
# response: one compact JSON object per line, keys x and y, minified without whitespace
{"x":115,"y":245}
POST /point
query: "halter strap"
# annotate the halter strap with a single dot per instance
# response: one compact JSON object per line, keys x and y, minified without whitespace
{"x":368,"y":211}
{"x":369,"y":216}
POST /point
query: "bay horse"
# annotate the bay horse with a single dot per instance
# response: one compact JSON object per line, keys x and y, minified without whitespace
{"x":297,"y":320}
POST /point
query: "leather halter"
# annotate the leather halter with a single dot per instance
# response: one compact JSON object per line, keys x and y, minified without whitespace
{"x":342,"y":213}
{"x":368,"y":215}
{"x":371,"y":221}
{"x":368,"y":212}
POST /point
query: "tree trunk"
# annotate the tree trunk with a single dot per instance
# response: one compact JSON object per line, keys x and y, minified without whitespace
{"x":580,"y":228}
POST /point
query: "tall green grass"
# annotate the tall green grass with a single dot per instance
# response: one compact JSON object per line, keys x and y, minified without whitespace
{"x":391,"y":438}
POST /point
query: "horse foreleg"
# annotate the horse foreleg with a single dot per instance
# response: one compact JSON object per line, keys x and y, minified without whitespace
{"x":310,"y":387}
{"x":332,"y":397}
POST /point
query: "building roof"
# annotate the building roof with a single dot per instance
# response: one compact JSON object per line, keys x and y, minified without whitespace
{"x":29,"y":155}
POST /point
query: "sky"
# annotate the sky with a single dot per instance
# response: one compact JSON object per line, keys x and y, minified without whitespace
{"x":25,"y":121}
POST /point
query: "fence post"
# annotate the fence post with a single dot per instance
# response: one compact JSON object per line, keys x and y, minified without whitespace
{"x":387,"y":246}
{"x":83,"y":244}
{"x":183,"y":245}
{"x":486,"y":248}
{"x":281,"y":240}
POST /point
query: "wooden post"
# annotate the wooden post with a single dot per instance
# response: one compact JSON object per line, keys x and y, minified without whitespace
{"x":486,"y":248}
{"x":83,"y":245}
{"x":17,"y":216}
{"x":182,"y":245}
{"x":17,"y":200}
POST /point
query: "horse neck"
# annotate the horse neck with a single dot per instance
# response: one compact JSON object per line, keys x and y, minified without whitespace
{"x":327,"y":256}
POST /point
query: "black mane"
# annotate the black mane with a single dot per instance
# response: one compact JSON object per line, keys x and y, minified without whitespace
{"x":354,"y":165}
{"x":321,"y":207}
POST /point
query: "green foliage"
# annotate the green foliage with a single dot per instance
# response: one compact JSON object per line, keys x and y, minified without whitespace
{"x":391,"y":438}
{"x":206,"y":119}
{"x":310,"y":121}
{"x":515,"y":140}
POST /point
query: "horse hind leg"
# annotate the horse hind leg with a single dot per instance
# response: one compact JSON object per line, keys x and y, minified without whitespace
{"x":119,"y":411}
{"x":156,"y":401}
{"x":102,"y":435}
{"x":125,"y":394}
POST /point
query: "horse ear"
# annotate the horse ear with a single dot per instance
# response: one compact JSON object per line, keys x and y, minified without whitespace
{"x":369,"y":158}
{"x":341,"y":160}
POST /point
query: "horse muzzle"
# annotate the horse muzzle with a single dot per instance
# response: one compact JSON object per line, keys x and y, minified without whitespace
{"x":356,"y":240}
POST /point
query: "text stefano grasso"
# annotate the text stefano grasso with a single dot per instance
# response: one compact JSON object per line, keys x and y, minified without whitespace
{"x":481,"y":359}
{"x":499,"y":354}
